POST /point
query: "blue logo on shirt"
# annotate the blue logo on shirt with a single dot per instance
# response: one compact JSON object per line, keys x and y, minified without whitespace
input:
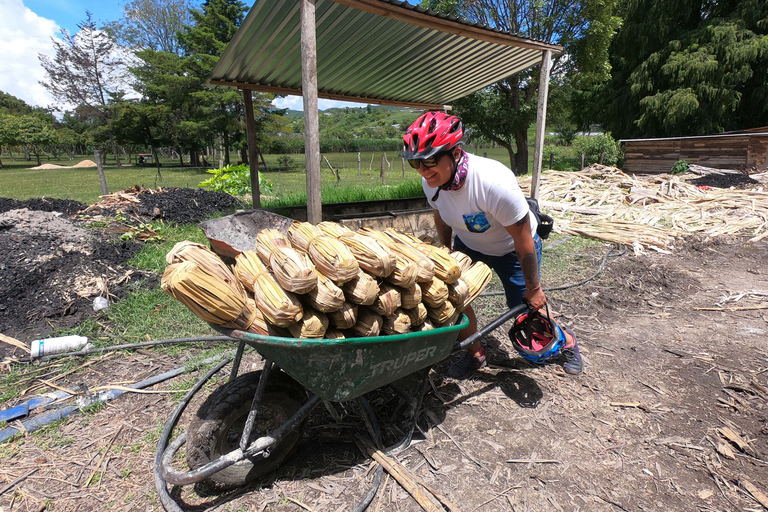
{"x":476,"y":222}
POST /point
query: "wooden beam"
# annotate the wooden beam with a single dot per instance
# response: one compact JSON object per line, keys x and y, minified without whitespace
{"x":250,"y":135}
{"x":422,"y":19}
{"x":330,"y":96}
{"x":311,"y":113}
{"x":541,"y":122}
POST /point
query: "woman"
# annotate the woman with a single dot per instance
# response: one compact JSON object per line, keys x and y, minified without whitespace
{"x":480,"y":201}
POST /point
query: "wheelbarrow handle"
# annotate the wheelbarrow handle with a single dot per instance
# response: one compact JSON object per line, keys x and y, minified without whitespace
{"x":512,"y":313}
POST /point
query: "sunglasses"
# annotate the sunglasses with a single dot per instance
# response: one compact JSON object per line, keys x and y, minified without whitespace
{"x":428,"y":162}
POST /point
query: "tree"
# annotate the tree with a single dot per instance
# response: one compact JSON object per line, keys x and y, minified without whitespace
{"x":32,"y":132}
{"x":688,"y":67}
{"x":152,"y":24}
{"x":88,"y":69}
{"x":504,"y":111}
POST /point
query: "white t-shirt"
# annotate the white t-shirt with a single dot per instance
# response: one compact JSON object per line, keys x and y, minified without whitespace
{"x":490,"y":199}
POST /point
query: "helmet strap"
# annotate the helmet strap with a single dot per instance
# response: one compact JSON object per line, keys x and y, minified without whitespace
{"x":448,"y":183}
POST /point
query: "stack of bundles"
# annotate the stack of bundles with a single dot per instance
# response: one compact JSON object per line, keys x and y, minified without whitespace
{"x":333,"y":258}
{"x":267,"y":240}
{"x":301,"y":233}
{"x":327,"y":282}
{"x":215,"y":300}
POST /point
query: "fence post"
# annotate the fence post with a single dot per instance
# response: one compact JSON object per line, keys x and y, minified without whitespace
{"x":358,"y":163}
{"x":551,"y":160}
{"x":383,"y":168}
{"x":100,"y":167}
{"x":403,"y":159}
{"x":582,"y":161}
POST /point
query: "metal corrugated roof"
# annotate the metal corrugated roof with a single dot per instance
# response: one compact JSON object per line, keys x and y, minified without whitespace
{"x":377,"y":51}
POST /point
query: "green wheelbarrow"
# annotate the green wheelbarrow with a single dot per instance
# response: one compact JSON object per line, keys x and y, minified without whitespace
{"x":250,"y":425}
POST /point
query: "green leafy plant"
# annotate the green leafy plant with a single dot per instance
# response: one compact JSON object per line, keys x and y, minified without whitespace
{"x":235,"y":180}
{"x":596,"y":146}
{"x":680,"y":167}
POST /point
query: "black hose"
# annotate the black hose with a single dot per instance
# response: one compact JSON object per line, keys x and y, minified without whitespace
{"x":607,"y":255}
{"x":368,"y":498}
{"x":169,"y":504}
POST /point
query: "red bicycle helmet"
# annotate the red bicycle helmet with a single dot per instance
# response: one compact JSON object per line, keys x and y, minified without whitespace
{"x":432,"y":133}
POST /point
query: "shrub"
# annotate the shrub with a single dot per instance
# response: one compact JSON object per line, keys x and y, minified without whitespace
{"x":234,"y":180}
{"x":680,"y":167}
{"x":596,"y":145}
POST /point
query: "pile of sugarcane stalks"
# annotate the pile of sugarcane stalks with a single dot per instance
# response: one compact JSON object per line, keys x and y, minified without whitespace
{"x":648,"y":212}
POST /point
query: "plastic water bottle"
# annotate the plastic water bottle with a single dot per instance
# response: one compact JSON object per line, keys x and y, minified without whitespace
{"x":100,"y":303}
{"x":40,"y":348}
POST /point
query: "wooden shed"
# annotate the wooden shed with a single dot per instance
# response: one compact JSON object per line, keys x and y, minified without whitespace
{"x":743,"y":149}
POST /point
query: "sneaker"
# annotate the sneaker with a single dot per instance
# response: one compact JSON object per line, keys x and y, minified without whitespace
{"x":572,"y":363}
{"x":466,"y":366}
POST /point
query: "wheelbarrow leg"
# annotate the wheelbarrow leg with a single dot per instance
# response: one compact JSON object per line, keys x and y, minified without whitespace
{"x":248,"y":427}
{"x":238,"y":358}
{"x":414,"y":408}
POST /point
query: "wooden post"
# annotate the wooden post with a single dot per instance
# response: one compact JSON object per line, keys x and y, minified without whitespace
{"x":250,"y":136}
{"x":403,"y":159}
{"x":100,"y":167}
{"x":541,"y":121}
{"x":311,"y":115}
{"x":583,"y":156}
{"x":551,"y":160}
{"x":383,"y":173}
{"x":358,"y":163}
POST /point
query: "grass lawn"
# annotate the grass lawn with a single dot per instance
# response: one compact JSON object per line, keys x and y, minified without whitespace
{"x":19,"y":181}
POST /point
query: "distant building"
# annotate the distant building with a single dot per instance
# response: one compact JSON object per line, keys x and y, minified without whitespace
{"x":743,"y":149}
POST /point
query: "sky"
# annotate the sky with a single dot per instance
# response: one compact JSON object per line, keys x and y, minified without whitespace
{"x":26,"y":31}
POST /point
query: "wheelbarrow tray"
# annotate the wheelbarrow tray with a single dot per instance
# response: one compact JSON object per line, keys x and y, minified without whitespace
{"x":340,"y":370}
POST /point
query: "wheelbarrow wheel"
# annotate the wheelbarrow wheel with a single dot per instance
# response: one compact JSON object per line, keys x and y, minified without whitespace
{"x":218,"y":425}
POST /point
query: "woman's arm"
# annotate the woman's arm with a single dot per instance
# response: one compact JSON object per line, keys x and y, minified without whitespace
{"x":444,"y":231}
{"x":529,"y":262}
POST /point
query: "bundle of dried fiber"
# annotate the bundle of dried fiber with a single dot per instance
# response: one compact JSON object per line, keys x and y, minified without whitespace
{"x":247,"y":266}
{"x":410,"y":297}
{"x":426,"y":326}
{"x":397,"y":323}
{"x":267,"y":240}
{"x":293,"y":270}
{"x":458,"y":293}
{"x":334,"y":334}
{"x":370,"y":255}
{"x":387,"y":301}
{"x":313,"y":324}
{"x":345,"y":317}
{"x":441,"y":316}
{"x":446,"y":267}
{"x":406,"y":271}
{"x":301,"y":233}
{"x":463,"y":260}
{"x":333,"y":229}
{"x":280,"y":308}
{"x":402,"y":237}
{"x":418,"y":315}
{"x":325,"y":296}
{"x":368,"y":323}
{"x":207,"y":296}
{"x":203,"y":256}
{"x":333,"y":258}
{"x":434,"y":293}
{"x":426,"y":239}
{"x":425,"y":267}
{"x":363,"y":289}
{"x":477,"y":278}
{"x":259,"y":325}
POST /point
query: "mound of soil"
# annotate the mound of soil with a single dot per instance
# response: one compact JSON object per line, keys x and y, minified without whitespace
{"x":725,"y":180}
{"x":52,"y":266}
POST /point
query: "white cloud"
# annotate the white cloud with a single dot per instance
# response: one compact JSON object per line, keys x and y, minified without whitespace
{"x":297,"y":103}
{"x":24,"y":35}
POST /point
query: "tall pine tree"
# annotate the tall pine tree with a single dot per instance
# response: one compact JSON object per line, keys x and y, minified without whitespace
{"x":688,"y":67}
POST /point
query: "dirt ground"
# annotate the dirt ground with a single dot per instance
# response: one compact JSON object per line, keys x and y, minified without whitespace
{"x":671,"y":412}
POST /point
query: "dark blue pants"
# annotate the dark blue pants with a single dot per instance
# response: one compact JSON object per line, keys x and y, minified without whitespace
{"x":507,"y":267}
